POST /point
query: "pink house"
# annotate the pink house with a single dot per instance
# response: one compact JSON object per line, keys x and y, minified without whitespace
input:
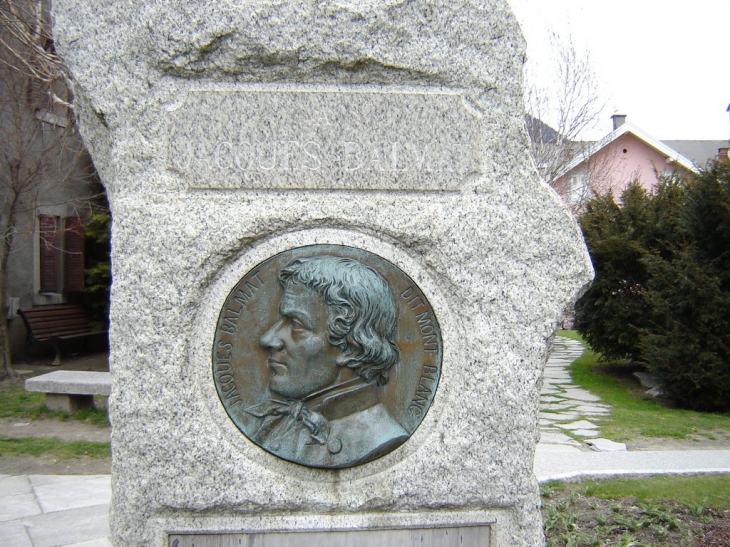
{"x":626,"y":154}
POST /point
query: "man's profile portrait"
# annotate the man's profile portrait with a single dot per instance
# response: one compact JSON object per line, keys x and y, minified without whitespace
{"x":331,"y":346}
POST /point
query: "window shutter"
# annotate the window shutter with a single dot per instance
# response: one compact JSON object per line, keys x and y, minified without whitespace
{"x":74,"y":255}
{"x":40,"y":96}
{"x":36,"y":93}
{"x":49,"y":245}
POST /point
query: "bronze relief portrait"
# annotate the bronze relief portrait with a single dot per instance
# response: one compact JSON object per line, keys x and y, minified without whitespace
{"x":327,"y":356}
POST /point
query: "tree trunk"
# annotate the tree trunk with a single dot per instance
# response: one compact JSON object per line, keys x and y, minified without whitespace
{"x":6,"y":362}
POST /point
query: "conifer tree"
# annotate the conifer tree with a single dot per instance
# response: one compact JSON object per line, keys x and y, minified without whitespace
{"x":687,"y":344}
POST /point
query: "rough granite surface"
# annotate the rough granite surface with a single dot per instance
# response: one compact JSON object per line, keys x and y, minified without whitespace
{"x":494,"y":250}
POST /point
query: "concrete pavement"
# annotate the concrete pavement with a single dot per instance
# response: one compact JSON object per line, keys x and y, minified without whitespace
{"x":54,"y":510}
{"x":603,"y":465}
{"x":72,"y":510}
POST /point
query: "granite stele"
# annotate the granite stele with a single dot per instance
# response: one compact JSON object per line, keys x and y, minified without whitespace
{"x":336,"y":273}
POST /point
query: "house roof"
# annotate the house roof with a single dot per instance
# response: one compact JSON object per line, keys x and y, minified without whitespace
{"x":700,"y":152}
{"x":628,"y":127}
{"x":539,"y":131}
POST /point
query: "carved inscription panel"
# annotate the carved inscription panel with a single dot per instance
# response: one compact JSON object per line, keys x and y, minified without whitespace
{"x":327,"y":356}
{"x":457,"y":536}
{"x":323,"y":140}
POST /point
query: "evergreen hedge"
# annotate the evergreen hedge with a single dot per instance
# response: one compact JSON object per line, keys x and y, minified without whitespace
{"x":661,"y":296}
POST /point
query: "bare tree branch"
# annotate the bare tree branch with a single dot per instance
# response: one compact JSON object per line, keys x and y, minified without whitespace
{"x":560,"y":113}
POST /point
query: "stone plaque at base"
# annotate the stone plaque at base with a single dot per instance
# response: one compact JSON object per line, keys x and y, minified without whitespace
{"x":476,"y":536}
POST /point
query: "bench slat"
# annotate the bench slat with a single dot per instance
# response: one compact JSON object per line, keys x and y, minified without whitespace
{"x":81,"y":335}
{"x":51,"y":318}
{"x":64,"y":335}
{"x":59,"y":326}
{"x":57,"y":311}
{"x":52,"y":322}
{"x":57,"y":322}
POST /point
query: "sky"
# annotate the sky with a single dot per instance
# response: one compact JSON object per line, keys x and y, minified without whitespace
{"x":663,"y":63}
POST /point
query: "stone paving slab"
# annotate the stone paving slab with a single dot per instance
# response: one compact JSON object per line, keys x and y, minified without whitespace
{"x":552,"y":399}
{"x":589,"y":433}
{"x":557,"y":374}
{"x":98,"y":542}
{"x":65,"y":528}
{"x":560,"y":417}
{"x":13,"y":534}
{"x":10,"y":485}
{"x":55,"y":511}
{"x":17,"y":506}
{"x":581,"y":395}
{"x":598,"y":413}
{"x":562,"y":406}
{"x":582,"y":424}
{"x":557,"y":437}
{"x":57,"y":494}
{"x":604,"y":445}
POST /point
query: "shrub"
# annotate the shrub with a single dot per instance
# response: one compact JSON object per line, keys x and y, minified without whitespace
{"x":614,"y":311}
{"x":661,"y":296}
{"x":688,"y":342}
{"x":98,"y":268}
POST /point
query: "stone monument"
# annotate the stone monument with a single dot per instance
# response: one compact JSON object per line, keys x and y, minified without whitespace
{"x":336,"y":272}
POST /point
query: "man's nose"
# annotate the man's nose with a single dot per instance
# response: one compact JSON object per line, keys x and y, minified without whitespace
{"x":271,"y":338}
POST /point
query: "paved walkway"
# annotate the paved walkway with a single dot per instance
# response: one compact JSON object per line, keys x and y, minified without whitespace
{"x":567,"y":411}
{"x":73,"y":510}
{"x":54,"y":510}
{"x":566,"y":408}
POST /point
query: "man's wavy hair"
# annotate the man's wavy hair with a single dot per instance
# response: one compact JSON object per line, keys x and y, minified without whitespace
{"x":363,"y":320}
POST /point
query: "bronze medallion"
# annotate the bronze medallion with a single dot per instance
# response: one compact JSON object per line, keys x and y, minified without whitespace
{"x":327,"y":356}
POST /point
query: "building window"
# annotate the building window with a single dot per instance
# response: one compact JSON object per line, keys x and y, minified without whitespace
{"x":579,"y":188}
{"x":61,"y":252}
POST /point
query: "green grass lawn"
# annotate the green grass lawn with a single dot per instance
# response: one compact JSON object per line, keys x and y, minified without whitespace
{"x":17,"y":403}
{"x":63,"y":450}
{"x":706,"y":490}
{"x":633,"y":413}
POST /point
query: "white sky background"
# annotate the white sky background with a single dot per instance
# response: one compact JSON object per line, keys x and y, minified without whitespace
{"x":663,"y":63}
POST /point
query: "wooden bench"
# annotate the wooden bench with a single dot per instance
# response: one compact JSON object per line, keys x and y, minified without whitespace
{"x":53,"y":324}
{"x":70,"y":390}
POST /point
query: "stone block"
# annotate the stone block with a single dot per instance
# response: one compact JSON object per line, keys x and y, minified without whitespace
{"x":70,"y":390}
{"x":231,"y":133}
{"x":68,"y":403}
{"x":75,"y":382}
{"x":605,"y":445}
